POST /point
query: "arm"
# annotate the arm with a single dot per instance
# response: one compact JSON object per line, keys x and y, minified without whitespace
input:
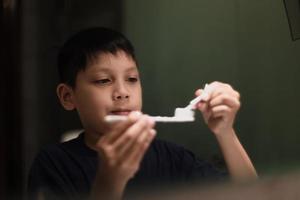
{"x":238,"y":163}
{"x":121,"y":152}
{"x":219,"y":109}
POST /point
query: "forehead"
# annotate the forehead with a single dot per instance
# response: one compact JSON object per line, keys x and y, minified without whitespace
{"x":120,"y":61}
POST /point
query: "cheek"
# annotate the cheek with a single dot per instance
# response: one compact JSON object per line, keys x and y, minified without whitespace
{"x":92,"y":102}
{"x":138,"y":97}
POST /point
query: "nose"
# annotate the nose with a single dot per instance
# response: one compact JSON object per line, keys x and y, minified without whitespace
{"x":120,"y":92}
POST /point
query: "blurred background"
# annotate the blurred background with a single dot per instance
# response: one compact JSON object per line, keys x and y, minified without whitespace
{"x":180,"y":45}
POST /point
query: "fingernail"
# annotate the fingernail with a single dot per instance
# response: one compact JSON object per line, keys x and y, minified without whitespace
{"x":198,"y":92}
{"x":135,"y":115}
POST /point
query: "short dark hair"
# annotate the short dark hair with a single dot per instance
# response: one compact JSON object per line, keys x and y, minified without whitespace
{"x":81,"y":48}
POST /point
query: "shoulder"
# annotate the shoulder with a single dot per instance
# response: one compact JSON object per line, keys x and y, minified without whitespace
{"x":57,"y":149}
{"x":58,"y":154}
{"x":59,"y":168}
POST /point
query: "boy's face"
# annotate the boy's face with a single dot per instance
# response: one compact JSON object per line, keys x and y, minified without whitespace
{"x":109,"y":85}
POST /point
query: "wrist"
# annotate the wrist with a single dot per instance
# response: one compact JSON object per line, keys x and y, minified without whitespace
{"x":111,"y":181}
{"x":226,"y":134}
{"x":108,"y":187}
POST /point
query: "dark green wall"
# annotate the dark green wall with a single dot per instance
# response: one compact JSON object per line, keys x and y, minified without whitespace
{"x":183,"y":44}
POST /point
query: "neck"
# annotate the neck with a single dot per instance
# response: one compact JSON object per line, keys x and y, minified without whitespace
{"x":91,"y":139}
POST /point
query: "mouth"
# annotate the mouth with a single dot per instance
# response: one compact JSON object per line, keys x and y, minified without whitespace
{"x":120,"y":112}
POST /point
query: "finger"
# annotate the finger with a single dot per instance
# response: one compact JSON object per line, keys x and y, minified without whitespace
{"x":219,"y":88}
{"x":220,"y":111}
{"x":139,"y":143}
{"x":143,"y":137}
{"x":205,"y":110}
{"x":218,"y":84}
{"x":127,"y":139}
{"x":202,"y":106}
{"x":225,"y":99}
{"x":198,"y":92}
{"x":115,"y":132}
{"x":138,"y":151}
{"x":133,"y":157}
{"x":120,"y":127}
{"x":205,"y":96}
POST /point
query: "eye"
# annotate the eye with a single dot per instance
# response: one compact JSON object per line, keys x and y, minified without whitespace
{"x":133,"y":79}
{"x":103,"y":81}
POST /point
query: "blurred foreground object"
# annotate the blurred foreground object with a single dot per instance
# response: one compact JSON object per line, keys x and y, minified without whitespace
{"x":277,"y":187}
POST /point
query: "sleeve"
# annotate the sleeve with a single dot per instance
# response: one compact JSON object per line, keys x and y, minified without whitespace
{"x":46,"y":180}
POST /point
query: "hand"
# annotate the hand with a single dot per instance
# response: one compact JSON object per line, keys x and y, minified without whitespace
{"x":122,"y":150}
{"x":219,"y":107}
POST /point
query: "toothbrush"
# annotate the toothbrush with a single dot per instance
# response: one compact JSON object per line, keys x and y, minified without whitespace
{"x":185,"y":114}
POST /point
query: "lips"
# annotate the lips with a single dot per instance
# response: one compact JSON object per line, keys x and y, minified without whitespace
{"x":120,"y":112}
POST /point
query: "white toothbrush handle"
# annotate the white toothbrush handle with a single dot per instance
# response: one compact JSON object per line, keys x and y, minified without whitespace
{"x":117,"y":118}
{"x":200,"y":97}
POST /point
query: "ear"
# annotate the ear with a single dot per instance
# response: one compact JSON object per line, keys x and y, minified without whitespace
{"x":66,"y":96}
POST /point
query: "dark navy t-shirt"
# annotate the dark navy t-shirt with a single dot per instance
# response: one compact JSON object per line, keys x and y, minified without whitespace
{"x":68,"y":169}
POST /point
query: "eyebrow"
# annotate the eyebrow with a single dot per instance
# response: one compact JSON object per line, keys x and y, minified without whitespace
{"x":132,"y":69}
{"x":107,"y":70}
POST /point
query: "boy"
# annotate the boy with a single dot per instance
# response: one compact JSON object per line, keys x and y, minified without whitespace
{"x":99,"y":76}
